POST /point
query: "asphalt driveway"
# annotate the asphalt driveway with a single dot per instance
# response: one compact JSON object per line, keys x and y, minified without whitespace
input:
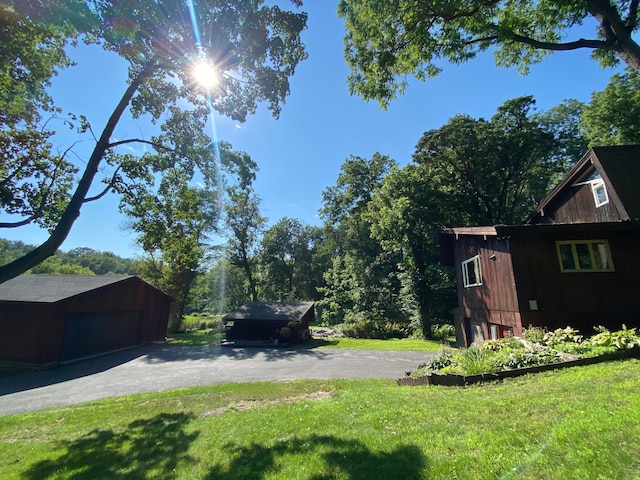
{"x":154,"y":368}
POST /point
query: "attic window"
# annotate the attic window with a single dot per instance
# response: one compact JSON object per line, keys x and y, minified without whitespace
{"x":584,"y":256}
{"x":471,"y":275}
{"x":599,"y":193}
{"x":599,"y":190}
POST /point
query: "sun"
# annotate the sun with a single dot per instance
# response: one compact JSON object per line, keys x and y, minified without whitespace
{"x":205,"y":74}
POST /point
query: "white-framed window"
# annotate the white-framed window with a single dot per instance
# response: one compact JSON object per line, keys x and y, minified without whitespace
{"x":598,"y":188}
{"x":471,"y":274}
{"x":600,"y":195}
{"x":584,"y":256}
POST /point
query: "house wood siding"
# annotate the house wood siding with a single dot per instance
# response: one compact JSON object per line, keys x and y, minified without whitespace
{"x":577,"y":205}
{"x":582,"y":300}
{"x":588,"y":293}
{"x":495,"y":301}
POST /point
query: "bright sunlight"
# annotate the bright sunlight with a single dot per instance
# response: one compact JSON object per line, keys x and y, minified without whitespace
{"x":205,"y":74}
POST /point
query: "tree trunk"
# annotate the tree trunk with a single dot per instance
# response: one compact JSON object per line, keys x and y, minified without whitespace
{"x":72,"y":212}
{"x":425,"y":320}
{"x":616,"y":31}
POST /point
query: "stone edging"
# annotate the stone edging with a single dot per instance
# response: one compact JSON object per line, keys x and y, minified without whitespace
{"x":462,"y":380}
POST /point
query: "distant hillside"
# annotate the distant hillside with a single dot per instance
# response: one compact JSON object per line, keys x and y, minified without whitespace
{"x":81,"y":261}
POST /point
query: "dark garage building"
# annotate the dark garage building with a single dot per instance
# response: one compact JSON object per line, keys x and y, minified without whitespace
{"x":275,"y":322}
{"x":49,"y":319}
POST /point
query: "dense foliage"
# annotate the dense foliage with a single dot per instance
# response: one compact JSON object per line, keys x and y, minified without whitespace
{"x":388,"y":40}
{"x":78,"y":261}
{"x":543,"y":348}
{"x":254,"y":48}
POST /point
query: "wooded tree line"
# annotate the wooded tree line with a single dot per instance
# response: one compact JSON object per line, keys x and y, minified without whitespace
{"x":373,"y":262}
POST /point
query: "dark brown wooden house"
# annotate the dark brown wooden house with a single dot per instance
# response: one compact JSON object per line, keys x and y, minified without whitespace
{"x":48,"y":319}
{"x":270,"y":322}
{"x":573,"y":262}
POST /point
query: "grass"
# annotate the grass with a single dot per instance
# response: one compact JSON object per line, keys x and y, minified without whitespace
{"x":204,"y":337}
{"x":365,"y":344}
{"x":195,"y":338}
{"x":571,"y":424}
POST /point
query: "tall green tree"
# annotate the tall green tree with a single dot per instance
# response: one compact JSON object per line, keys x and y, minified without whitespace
{"x":564,"y":122}
{"x":281,"y":250}
{"x":246,"y":225}
{"x":389,"y":40}
{"x":362,"y":283}
{"x":407,"y":214}
{"x":494,"y":171}
{"x":174,"y":220}
{"x":254,"y":47}
{"x":34,"y":181}
{"x":612,"y":117}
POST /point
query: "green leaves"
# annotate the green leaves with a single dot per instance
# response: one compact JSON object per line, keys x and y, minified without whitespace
{"x":387,"y":41}
{"x":611,"y":118}
{"x":255,"y":48}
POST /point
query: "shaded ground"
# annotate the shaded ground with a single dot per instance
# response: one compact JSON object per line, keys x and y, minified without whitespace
{"x":153,"y":368}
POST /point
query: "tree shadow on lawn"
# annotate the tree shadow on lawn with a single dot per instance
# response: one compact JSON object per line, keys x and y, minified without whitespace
{"x":148,"y":448}
{"x":344,"y":458}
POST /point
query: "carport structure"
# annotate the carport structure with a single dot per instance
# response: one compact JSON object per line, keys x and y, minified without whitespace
{"x":273,"y":322}
{"x":49,"y":319}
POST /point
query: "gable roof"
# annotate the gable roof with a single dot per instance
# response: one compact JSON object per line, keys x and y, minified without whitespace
{"x":291,"y":311}
{"x":619,"y":167}
{"x":53,"y":288}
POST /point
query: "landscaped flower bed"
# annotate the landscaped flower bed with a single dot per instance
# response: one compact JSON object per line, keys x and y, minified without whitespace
{"x":539,"y":350}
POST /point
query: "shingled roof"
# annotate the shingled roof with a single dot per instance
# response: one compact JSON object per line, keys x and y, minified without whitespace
{"x":270,"y":311}
{"x":53,"y":288}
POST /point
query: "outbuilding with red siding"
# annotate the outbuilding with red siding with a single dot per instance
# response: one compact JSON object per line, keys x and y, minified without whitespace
{"x":50,"y":319}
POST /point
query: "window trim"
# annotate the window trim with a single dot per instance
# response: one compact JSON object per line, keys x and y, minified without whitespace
{"x":475,"y":262}
{"x":595,"y":185}
{"x":576,"y":261}
{"x":595,"y":181}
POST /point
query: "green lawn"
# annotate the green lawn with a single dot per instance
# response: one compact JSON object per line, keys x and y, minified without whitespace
{"x":203,"y":337}
{"x":578,"y":423}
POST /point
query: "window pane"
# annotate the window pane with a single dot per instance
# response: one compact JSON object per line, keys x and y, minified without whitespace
{"x":473,"y":275}
{"x":584,"y":257}
{"x":601,"y":256}
{"x":601,"y":195}
{"x":566,"y":257}
{"x":471,"y":272}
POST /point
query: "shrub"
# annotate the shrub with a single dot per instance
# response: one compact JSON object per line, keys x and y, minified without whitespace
{"x":534,"y":334}
{"x":441,"y":361}
{"x":474,"y":360}
{"x":382,"y":330}
{"x":562,"y":335}
{"x":624,"y":339}
{"x":521,"y":358}
{"x":502,"y":343}
{"x":444,"y":332}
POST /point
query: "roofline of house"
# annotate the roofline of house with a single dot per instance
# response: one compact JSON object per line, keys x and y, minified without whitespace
{"x":589,"y":158}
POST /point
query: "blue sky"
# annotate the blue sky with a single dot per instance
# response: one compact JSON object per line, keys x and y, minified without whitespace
{"x":320,"y":125}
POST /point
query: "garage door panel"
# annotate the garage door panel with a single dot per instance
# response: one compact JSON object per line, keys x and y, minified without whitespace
{"x":91,"y":333}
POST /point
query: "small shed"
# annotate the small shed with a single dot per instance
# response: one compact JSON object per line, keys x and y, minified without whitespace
{"x":273,"y":322}
{"x":49,"y":319}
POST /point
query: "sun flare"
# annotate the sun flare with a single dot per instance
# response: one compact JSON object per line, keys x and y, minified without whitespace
{"x":205,"y":74}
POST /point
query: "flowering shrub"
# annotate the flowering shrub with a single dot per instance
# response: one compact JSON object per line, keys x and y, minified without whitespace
{"x":511,"y":353}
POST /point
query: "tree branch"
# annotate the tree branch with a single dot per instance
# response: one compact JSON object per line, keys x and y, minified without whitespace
{"x":109,"y":186}
{"x":71,"y":213}
{"x":632,"y":18}
{"x":581,"y":43}
{"x":157,"y":146}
